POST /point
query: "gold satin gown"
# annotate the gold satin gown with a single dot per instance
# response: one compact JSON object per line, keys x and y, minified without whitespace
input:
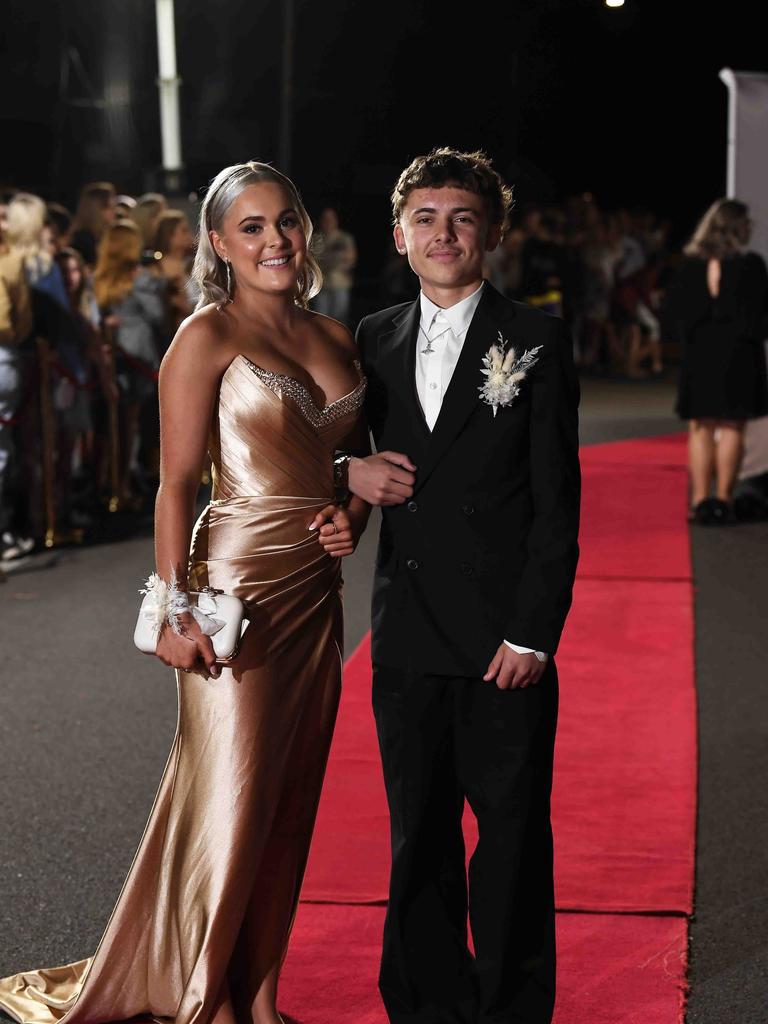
{"x":214,"y":885}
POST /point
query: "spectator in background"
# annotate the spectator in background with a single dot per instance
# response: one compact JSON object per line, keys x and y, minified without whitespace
{"x":131,"y":299}
{"x":543,"y":264}
{"x":632,"y":306}
{"x":124,"y":206}
{"x":175,"y":241}
{"x":574,"y":284}
{"x":15,"y":328}
{"x":58,"y":225}
{"x":336,"y":252}
{"x":51,"y":323}
{"x":718,"y":306}
{"x":5,"y":198}
{"x":398,"y":282}
{"x":146,"y":213}
{"x":74,"y":379}
{"x":602,"y":252}
{"x":26,"y":236}
{"x":95,"y":212}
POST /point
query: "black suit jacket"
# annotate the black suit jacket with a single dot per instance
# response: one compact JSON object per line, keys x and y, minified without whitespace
{"x":487,"y":548}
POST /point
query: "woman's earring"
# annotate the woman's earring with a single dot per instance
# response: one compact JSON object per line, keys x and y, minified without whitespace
{"x":229,"y":280}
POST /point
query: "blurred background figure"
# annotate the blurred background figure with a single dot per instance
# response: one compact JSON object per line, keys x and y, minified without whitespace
{"x":15,"y":329}
{"x":95,"y":212}
{"x":543,"y":262}
{"x":26,"y":236}
{"x":146,"y":213}
{"x":131,"y":300}
{"x":397,"y":282}
{"x":175,"y":242}
{"x":124,"y":206}
{"x":336,"y":252}
{"x":82,"y":373}
{"x":602,"y":252}
{"x":718,"y":306}
{"x":58,"y":225}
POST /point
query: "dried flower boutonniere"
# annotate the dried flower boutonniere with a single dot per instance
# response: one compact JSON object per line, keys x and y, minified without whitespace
{"x":503,"y":372}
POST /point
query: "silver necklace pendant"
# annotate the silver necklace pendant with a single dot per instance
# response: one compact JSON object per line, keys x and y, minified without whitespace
{"x":428,"y":350}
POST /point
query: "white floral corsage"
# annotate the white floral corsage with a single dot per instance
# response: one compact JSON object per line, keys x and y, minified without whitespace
{"x":503,"y":372}
{"x":164,"y":602}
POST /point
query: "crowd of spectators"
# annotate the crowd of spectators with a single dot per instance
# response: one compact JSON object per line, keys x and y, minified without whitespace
{"x":90,"y":300}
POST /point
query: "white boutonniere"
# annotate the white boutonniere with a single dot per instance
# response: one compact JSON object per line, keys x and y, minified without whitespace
{"x":503,"y":372}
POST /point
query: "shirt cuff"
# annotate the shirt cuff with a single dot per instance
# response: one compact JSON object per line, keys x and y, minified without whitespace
{"x":527,"y":650}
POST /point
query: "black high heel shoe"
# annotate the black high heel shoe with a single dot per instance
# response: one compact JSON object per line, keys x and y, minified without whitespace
{"x":712,"y":512}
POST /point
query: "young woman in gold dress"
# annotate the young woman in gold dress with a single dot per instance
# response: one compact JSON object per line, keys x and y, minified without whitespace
{"x":270,"y":391}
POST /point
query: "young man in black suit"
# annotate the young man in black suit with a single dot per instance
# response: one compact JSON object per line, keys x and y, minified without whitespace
{"x":474,"y":573}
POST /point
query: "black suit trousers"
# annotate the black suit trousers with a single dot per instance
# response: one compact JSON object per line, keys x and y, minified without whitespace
{"x":444,"y":739}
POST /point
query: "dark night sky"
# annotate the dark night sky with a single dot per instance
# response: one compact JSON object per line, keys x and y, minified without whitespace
{"x":566,"y":95}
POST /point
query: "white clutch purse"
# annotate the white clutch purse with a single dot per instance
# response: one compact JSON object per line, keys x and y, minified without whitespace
{"x":220,"y":616}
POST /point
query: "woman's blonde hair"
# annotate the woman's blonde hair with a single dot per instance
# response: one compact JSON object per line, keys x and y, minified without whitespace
{"x":209,"y":271}
{"x":26,"y":220}
{"x":118,"y":257}
{"x":721,"y":232}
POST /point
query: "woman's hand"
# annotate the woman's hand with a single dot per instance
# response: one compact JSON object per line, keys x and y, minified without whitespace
{"x":191,"y":651}
{"x":336,"y":531}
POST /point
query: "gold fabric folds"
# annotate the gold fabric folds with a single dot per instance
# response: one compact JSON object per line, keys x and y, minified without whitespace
{"x":210,"y":897}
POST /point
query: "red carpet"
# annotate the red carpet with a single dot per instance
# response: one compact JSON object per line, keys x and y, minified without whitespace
{"x":624,"y":798}
{"x":631,"y":519}
{"x":611,"y":969}
{"x":664,"y":450}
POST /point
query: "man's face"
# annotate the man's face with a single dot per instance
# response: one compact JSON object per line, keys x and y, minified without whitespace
{"x":446,"y":233}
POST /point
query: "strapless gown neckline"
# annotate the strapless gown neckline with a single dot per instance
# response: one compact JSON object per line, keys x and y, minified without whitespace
{"x":285,"y":385}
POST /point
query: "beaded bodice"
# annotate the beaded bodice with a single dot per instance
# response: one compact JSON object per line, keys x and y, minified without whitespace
{"x":288,"y":387}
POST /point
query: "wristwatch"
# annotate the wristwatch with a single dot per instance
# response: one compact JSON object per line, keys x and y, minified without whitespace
{"x":341,"y":491}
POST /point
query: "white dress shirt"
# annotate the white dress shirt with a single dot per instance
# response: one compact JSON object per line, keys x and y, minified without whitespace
{"x":443,"y":332}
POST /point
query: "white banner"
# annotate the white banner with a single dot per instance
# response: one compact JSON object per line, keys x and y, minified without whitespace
{"x":748,"y":181}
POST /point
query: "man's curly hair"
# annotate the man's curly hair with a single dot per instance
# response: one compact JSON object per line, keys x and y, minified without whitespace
{"x":446,"y":166}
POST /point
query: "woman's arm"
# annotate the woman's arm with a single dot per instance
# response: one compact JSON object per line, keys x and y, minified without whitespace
{"x":189,"y":379}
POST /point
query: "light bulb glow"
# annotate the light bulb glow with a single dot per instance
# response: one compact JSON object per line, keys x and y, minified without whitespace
{"x":614,"y":3}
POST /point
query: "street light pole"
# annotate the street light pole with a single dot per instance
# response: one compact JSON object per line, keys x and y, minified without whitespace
{"x":168,"y":84}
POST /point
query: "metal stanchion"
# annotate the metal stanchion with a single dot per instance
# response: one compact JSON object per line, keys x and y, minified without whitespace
{"x":47,"y":440}
{"x":113,"y":413}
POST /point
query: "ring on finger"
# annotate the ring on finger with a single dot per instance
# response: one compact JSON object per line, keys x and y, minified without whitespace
{"x":335,"y":527}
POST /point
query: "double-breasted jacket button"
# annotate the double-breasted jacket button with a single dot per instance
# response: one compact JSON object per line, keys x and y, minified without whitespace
{"x":412,"y":506}
{"x":467,"y":509}
{"x":412,"y":563}
{"x":466,"y":569}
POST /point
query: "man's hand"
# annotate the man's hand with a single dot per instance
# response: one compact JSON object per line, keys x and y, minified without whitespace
{"x":513,"y":671}
{"x":383,"y":479}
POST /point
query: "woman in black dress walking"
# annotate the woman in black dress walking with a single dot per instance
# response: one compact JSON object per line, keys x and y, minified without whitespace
{"x":718,"y":308}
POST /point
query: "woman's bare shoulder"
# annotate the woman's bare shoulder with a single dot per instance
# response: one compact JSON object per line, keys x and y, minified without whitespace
{"x":335,"y":332}
{"x":203,"y":343}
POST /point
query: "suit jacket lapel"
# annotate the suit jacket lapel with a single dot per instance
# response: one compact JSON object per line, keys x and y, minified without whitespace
{"x":462,"y":397}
